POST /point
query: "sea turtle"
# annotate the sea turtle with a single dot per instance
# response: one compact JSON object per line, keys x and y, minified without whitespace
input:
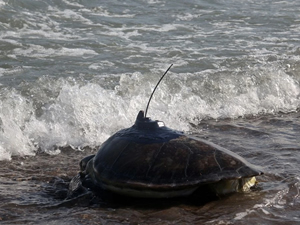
{"x":152,"y":160}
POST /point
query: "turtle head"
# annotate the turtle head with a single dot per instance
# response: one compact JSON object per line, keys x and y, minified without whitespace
{"x":146,"y":123}
{"x":84,"y":162}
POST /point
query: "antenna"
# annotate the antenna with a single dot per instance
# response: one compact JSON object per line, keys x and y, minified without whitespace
{"x":155,"y":89}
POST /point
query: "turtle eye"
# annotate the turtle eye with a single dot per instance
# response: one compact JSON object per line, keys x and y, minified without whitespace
{"x":82,"y":165}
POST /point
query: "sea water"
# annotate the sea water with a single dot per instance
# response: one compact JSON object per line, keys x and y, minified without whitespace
{"x":72,"y":73}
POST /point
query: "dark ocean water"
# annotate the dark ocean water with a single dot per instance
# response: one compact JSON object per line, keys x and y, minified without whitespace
{"x":73,"y":72}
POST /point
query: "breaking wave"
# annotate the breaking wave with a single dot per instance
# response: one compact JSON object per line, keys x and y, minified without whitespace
{"x":52,"y":113}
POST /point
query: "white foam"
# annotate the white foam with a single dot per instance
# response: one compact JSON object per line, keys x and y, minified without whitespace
{"x":73,"y":3}
{"x":101,"y":65}
{"x":38,"y":51}
{"x":128,"y":32}
{"x":122,"y":32}
{"x":187,"y":16}
{"x":240,"y":215}
{"x":70,"y":14}
{"x":4,"y":154}
{"x":155,"y":2}
{"x":2,"y":71}
{"x":48,"y":28}
{"x":14,"y":113}
{"x":101,"y":11}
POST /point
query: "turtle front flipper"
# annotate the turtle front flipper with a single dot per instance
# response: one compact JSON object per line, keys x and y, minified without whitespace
{"x":78,"y":185}
{"x":75,"y":187}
